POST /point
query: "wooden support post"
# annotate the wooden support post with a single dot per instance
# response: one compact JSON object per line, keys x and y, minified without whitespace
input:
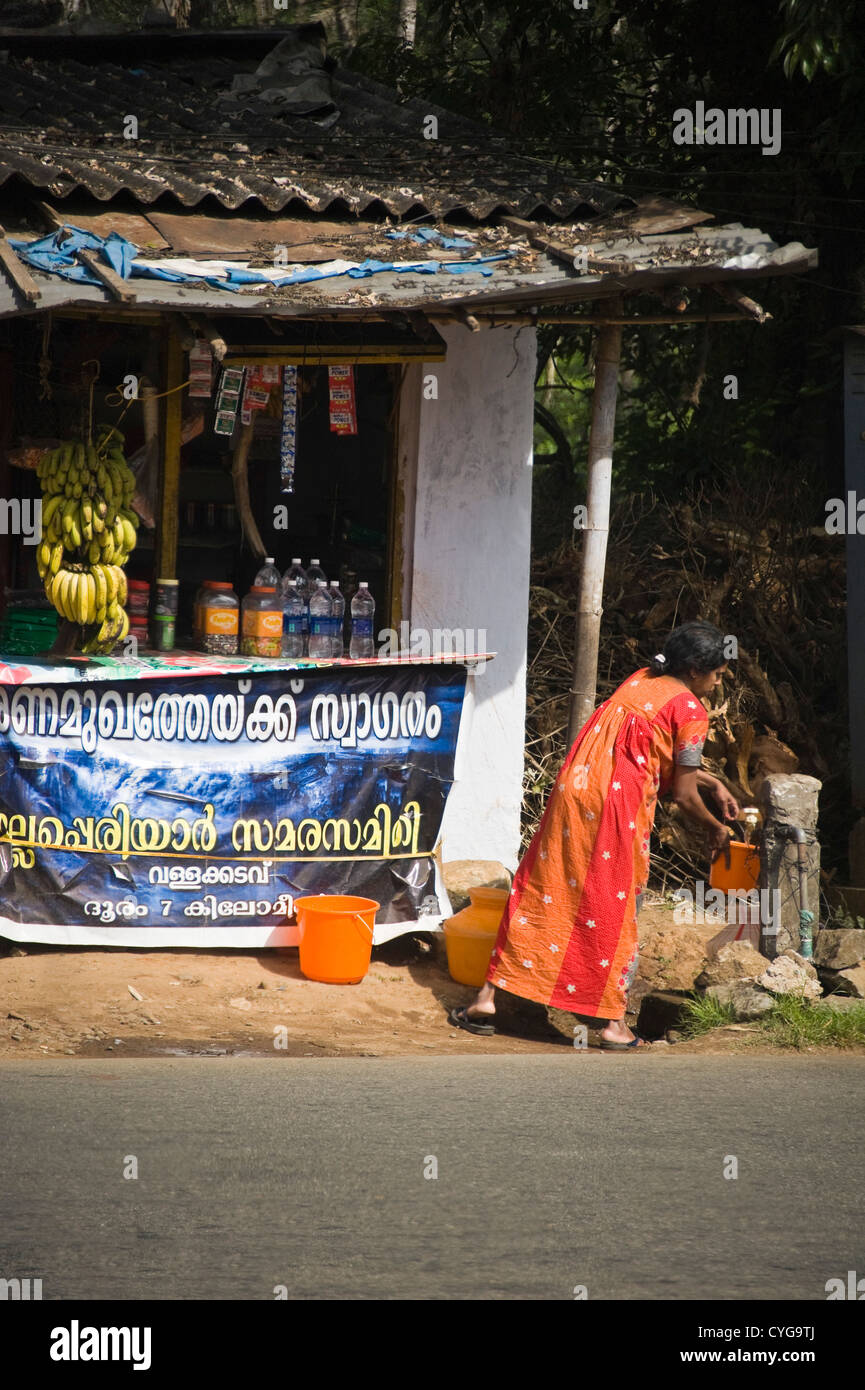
{"x":169,"y":501}
{"x":854,"y":482}
{"x":601,"y":434}
{"x":18,"y":272}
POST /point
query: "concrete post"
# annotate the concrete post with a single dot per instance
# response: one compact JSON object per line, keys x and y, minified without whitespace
{"x":787,"y":800}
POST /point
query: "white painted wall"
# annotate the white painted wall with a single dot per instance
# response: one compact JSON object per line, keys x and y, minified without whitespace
{"x":469,"y":566}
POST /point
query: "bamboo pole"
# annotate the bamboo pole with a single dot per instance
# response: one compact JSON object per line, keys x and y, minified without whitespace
{"x":601,"y":434}
{"x":166,"y":554}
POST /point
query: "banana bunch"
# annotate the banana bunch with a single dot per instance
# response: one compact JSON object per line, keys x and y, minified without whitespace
{"x":92,"y":596}
{"x":88,"y":532}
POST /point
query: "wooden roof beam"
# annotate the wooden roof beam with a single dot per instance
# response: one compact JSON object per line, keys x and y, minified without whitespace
{"x":18,"y":272}
{"x":749,"y":307}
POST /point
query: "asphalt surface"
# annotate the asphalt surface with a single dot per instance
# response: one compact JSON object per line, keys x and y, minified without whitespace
{"x":552,"y":1172}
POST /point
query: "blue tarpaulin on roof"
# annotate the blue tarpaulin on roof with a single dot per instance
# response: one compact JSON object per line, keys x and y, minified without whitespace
{"x":56,"y":254}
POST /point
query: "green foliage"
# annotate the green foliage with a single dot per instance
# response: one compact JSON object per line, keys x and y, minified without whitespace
{"x":801,"y":1023}
{"x":703,"y":1014}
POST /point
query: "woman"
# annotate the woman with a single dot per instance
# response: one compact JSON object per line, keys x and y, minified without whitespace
{"x":568,"y":937}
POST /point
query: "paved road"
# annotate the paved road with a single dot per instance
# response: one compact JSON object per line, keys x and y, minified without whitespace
{"x":553,"y":1172}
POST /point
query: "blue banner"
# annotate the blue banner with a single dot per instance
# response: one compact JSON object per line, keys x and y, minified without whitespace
{"x":194,"y":810}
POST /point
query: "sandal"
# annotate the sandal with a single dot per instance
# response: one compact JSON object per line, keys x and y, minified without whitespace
{"x":636,"y":1041}
{"x":460,"y":1018}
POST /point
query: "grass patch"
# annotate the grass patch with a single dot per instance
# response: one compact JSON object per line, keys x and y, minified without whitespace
{"x":702,"y":1014}
{"x":800,"y":1023}
{"x":793,"y":1022}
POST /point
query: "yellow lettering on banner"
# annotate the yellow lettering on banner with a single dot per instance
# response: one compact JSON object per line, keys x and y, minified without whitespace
{"x":119,"y":832}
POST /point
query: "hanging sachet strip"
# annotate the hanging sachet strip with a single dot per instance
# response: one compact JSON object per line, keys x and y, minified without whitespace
{"x":343,"y":408}
{"x":288,"y":440}
{"x":228,"y":400}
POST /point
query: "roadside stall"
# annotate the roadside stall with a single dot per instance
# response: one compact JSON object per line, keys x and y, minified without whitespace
{"x":168,"y":776}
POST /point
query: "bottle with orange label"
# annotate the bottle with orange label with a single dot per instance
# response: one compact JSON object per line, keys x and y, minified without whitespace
{"x":218,"y":618}
{"x":261,"y":622}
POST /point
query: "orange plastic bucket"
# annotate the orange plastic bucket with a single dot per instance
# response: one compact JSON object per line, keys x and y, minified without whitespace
{"x":743,"y":873}
{"x":335,"y":937}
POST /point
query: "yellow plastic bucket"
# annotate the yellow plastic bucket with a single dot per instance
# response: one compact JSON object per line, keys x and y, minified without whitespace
{"x":335,"y":935}
{"x":471,"y":934}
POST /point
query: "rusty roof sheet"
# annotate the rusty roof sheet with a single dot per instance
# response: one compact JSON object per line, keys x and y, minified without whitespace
{"x":531,"y":279}
{"x":206,"y":129}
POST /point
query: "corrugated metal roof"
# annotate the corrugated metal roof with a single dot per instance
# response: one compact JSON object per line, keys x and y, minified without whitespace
{"x":358,"y":150}
{"x":533,"y":278}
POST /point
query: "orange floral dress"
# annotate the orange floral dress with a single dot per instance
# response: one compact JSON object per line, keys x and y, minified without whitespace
{"x":568,"y":936}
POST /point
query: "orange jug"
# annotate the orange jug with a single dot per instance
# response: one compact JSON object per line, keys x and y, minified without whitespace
{"x":471,"y":934}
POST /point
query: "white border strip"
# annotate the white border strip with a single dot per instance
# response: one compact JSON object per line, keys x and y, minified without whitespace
{"x":205,"y":938}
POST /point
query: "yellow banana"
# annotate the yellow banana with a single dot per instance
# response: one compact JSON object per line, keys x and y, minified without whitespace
{"x":122,"y":587}
{"x":111,"y":583}
{"x":56,"y":557}
{"x":58,"y":592}
{"x":100,"y":584}
{"x":49,"y":508}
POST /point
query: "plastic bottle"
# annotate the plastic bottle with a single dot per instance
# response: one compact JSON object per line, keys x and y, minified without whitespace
{"x":294,"y":619}
{"x":219,"y":620}
{"x":268,"y":576}
{"x":261,"y":622}
{"x":337,"y":619}
{"x":362,"y":643}
{"x":313,"y":573}
{"x":320,"y":614}
{"x":296,"y":571}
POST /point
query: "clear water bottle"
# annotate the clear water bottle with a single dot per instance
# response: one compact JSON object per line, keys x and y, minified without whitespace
{"x":294,"y":572}
{"x":294,"y":617}
{"x":268,"y":576}
{"x":314,"y":573}
{"x":337,"y":620}
{"x":362,"y":643}
{"x":320,"y":617}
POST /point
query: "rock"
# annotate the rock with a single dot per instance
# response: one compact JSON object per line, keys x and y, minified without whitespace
{"x":736,"y":961}
{"x":850,"y":981}
{"x":837,"y":948}
{"x":239,"y":1003}
{"x":462,"y":874}
{"x":660,"y":1010}
{"x":840,"y":1003}
{"x":20,"y":1017}
{"x":744,"y":998}
{"x":262,"y":984}
{"x":17,"y":1037}
{"x":790,"y":973}
{"x":671,"y":958}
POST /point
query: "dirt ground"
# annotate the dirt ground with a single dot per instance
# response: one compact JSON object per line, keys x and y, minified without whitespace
{"x":79,"y":1002}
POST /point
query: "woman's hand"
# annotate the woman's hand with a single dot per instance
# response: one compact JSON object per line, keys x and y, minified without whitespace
{"x":726,"y":802}
{"x":718,"y":840}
